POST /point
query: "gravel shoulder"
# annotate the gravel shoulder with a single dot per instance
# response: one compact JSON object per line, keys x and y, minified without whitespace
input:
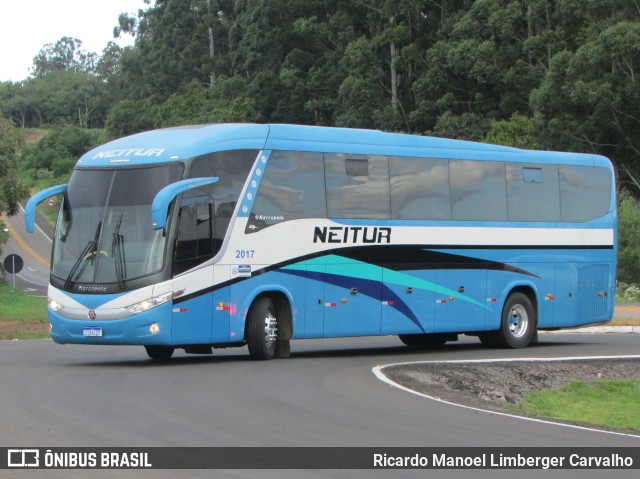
{"x":496,"y":385}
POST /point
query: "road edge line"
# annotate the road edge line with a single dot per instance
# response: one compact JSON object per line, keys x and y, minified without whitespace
{"x":14,"y":234}
{"x":377,"y":371}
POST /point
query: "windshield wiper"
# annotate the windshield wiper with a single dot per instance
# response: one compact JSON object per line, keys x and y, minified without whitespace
{"x":117,"y":251}
{"x":87,"y":253}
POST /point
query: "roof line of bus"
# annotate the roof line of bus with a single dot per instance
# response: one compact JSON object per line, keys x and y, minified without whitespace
{"x":180,"y":143}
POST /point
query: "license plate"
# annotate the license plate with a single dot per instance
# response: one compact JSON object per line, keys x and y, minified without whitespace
{"x":92,"y":332}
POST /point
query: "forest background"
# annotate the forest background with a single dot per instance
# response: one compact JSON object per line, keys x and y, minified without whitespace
{"x":539,"y":74}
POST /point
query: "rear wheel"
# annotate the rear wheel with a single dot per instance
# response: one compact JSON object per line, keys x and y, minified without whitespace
{"x":427,"y":341}
{"x":262,"y":329}
{"x":159,"y":353}
{"x":518,"y":325}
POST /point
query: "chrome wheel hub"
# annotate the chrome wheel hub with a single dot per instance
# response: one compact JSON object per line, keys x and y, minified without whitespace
{"x":518,"y":321}
{"x":270,"y":328}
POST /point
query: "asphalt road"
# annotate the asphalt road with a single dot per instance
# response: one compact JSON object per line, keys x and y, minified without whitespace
{"x":324,"y":395}
{"x":35,"y":251}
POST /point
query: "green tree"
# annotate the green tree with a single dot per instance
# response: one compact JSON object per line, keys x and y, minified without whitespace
{"x":59,"y":149}
{"x":199,"y":104}
{"x":177,"y":41}
{"x":66,"y":54}
{"x":479,"y":66}
{"x":69,"y":97}
{"x":589,"y":100}
{"x":132,"y":116}
{"x":311,"y":71}
{"x":18,"y":102}
{"x":628,"y":239}
{"x":11,"y":189}
{"x":519,"y":132}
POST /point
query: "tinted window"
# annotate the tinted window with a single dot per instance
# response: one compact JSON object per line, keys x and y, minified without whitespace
{"x":232,"y":167}
{"x":585,"y":192}
{"x":205,"y":213}
{"x":357,"y":186}
{"x":478,"y":190}
{"x":292,"y":187}
{"x":112,"y":207}
{"x":533,"y":193}
{"x":420,"y":188}
{"x":195,"y":241}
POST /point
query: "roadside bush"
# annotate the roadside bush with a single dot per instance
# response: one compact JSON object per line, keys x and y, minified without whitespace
{"x":62,"y":166}
{"x":628,"y":293}
{"x":628,"y":239}
{"x":58,"y":150}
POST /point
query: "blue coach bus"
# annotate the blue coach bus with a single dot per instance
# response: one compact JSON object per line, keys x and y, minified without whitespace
{"x":243,"y":234}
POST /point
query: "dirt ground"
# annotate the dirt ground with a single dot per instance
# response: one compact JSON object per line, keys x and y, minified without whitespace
{"x":493,"y":386}
{"x":10,"y":329}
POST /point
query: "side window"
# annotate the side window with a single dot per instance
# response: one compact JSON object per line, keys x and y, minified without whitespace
{"x":478,"y":190}
{"x":195,"y":239}
{"x":357,"y":186}
{"x":232,"y":167}
{"x":532,"y":192}
{"x":292,"y":187}
{"x":420,"y":188}
{"x":585,"y":192}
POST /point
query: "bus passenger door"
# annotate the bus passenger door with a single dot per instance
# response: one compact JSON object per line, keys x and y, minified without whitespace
{"x":194,"y":244}
{"x":460,"y":304}
{"x":352,"y":300}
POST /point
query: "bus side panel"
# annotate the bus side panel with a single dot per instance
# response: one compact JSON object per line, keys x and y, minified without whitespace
{"x":546,"y":291}
{"x":352,"y":300}
{"x":497,"y":292}
{"x":593,"y":300}
{"x":222,"y":311}
{"x":462,"y":304}
{"x":565,"y":294}
{"x":314,"y":304}
{"x":408,"y":308}
{"x":191,"y":320}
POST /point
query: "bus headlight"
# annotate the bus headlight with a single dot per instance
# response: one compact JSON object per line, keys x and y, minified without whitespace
{"x":54,"y":305}
{"x":147,"y":304}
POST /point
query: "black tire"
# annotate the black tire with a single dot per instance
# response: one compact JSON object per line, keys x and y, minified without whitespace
{"x":488,"y":339}
{"x":262,"y":329}
{"x":518,"y":326}
{"x":160,"y":353}
{"x":283,"y":349}
{"x":425,"y":341}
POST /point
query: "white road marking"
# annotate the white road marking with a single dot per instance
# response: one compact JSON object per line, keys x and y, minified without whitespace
{"x":378,"y":371}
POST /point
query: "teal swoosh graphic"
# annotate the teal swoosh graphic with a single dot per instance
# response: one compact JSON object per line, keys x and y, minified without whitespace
{"x":344,"y":266}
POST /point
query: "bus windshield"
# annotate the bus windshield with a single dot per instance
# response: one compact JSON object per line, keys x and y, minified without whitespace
{"x":104,"y":233}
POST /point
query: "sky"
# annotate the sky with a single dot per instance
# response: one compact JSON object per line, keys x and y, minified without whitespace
{"x":27,"y":25}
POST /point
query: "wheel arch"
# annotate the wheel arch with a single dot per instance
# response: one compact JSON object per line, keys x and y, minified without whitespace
{"x":283,"y":303}
{"x":528,"y":289}
{"x":531,"y":293}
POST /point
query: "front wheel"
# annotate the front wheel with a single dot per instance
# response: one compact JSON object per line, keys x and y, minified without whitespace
{"x":160,"y":353}
{"x":262,"y":329}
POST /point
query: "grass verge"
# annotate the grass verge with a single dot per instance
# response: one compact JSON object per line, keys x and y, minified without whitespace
{"x":23,"y":316}
{"x":614,"y":404}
